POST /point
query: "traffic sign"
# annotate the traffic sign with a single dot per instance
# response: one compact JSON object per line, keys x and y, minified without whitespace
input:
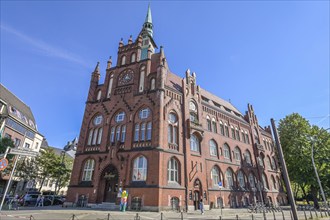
{"x":22,"y":152}
{"x":29,"y":184}
{"x":3,"y":163}
{"x":220,"y":184}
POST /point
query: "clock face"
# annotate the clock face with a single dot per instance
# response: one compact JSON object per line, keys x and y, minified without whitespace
{"x":126,"y":77}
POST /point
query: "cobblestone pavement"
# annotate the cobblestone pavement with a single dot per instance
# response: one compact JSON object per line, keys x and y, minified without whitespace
{"x":59,"y":213}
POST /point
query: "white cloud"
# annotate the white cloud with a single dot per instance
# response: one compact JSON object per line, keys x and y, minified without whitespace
{"x":46,"y":48}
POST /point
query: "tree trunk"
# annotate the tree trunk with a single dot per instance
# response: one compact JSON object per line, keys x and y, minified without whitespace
{"x":314,"y":195}
{"x":42,"y":183}
{"x":304,"y":192}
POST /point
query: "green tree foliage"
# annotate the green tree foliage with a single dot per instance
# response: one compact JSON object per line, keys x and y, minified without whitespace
{"x":4,"y":143}
{"x":295,"y":135}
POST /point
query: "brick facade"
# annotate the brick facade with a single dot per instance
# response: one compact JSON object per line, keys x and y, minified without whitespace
{"x":115,"y":133}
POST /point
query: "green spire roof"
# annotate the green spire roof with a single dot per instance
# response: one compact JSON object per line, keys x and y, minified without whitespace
{"x":148,"y":17}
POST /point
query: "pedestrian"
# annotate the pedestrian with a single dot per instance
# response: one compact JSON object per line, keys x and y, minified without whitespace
{"x":15,"y":202}
{"x":201,"y":206}
{"x":123,"y":201}
{"x":41,"y":202}
{"x":38,"y":200}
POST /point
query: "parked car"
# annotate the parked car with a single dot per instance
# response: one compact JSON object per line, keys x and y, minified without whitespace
{"x":29,"y":198}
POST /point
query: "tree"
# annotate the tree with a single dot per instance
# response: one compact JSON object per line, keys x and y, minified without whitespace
{"x":295,"y":133}
{"x":4,"y":143}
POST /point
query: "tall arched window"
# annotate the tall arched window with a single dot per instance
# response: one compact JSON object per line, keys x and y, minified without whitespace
{"x":149,"y":129}
{"x":208,"y":121}
{"x":95,"y":132}
{"x":172,"y":129}
{"x":214,"y":126}
{"x":247,"y":156}
{"x":118,"y":130}
{"x":173,"y":170}
{"x":133,"y":57}
{"x":233,"y":132}
{"x":264,"y":181}
{"x":273,"y":163}
{"x":98,"y":97}
{"x":194,"y":143}
{"x":269,"y":166}
{"x":140,"y":169}
{"x":123,"y":133}
{"x":142,"y":75}
{"x":143,"y":127}
{"x":88,"y":170}
{"x":143,"y":131}
{"x":273,"y":183}
{"x":152,"y":84}
{"x":237,"y":134}
{"x":226,"y":151}
{"x":136,"y":132}
{"x":252,"y":181}
{"x":123,"y":60}
{"x":243,"y":136}
{"x":237,"y":152}
{"x":256,"y":136}
{"x":222,"y":129}
{"x":110,"y":86}
{"x":215,"y":176}
{"x":193,"y":112}
{"x":247,"y":137}
{"x":226,"y":130}
{"x":241,"y":179}
{"x":213,"y":148}
{"x":230,"y":179}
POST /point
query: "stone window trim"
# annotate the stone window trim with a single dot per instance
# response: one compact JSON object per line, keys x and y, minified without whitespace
{"x":88,"y":170}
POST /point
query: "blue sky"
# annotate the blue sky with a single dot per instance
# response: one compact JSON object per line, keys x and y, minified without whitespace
{"x":272,"y":54}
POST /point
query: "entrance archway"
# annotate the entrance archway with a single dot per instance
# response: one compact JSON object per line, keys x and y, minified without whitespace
{"x":110,"y":178}
{"x":198,"y":193}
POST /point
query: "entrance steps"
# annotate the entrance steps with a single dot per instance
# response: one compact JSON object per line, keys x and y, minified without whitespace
{"x":106,"y":205}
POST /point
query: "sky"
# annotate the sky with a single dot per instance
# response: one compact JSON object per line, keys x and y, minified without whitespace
{"x":272,"y":54}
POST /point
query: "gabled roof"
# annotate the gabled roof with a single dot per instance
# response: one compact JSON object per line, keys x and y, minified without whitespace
{"x":17,"y":108}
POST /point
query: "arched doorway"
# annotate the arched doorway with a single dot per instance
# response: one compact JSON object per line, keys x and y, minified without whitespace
{"x":198,"y":193}
{"x":110,"y":178}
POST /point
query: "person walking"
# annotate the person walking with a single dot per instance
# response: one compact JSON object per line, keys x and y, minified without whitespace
{"x":123,"y":201}
{"x":201,"y":206}
{"x":41,"y":202}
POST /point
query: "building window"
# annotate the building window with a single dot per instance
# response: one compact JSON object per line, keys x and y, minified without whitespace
{"x":123,"y":60}
{"x":90,"y":136}
{"x":208,"y":124}
{"x":149,"y":129}
{"x":118,"y":132}
{"x":241,"y":179}
{"x":172,"y":129}
{"x":194,"y":143}
{"x":273,"y":182}
{"x":143,"y":131}
{"x":144,"y":113}
{"x":193,"y":112}
{"x":133,"y":57}
{"x":264,"y":181}
{"x":7,"y":136}
{"x":152,"y":84}
{"x":247,"y":138}
{"x":88,"y":170}
{"x":229,"y":176}
{"x":98,"y":120}
{"x":173,"y":170}
{"x":98,"y":97}
{"x":226,"y":130}
{"x":110,"y":86}
{"x":140,"y":169}
{"x":226,"y":151}
{"x":237,"y":154}
{"x":27,"y":145}
{"x":213,"y":148}
{"x":215,"y":176}
{"x":99,"y":138}
{"x":142,"y":73}
{"x":123,"y":133}
{"x":273,"y":164}
{"x":233,"y":132}
{"x":237,"y":135}
{"x":252,"y":181}
{"x":120,"y":117}
{"x":95,"y":136}
{"x":214,"y":126}
{"x":136,"y":132}
{"x":248,"y":157}
{"x":243,"y":136}
{"x":222,"y":129}
{"x":18,"y":142}
{"x":112,"y":135}
{"x":269,"y":166}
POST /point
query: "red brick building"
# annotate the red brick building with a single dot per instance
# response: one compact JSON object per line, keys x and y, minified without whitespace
{"x":168,"y":141}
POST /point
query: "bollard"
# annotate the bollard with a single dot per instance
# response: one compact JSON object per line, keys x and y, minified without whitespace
{"x":108,"y":216}
{"x":236,"y":217}
{"x":321,"y":213}
{"x":310,"y":211}
{"x":73,"y":216}
{"x":274,"y":215}
{"x":181,"y":215}
{"x":161,"y":216}
{"x":305,"y":215}
{"x":316,"y":213}
{"x":137,"y":216}
{"x":252,"y":217}
{"x":291,"y":215}
{"x":265,"y":218}
{"x":283,"y":214}
{"x":31,"y":217}
{"x":220,"y":218}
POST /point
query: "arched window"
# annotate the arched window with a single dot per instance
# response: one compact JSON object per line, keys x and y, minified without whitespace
{"x":269,"y":166}
{"x":248,"y":157}
{"x":208,"y":120}
{"x":95,"y":136}
{"x":226,"y":151}
{"x":118,"y":131}
{"x":133,"y":57}
{"x":143,"y":127}
{"x":214,"y":126}
{"x":110,"y":86}
{"x":152,"y":84}
{"x":237,"y":154}
{"x":256,"y":136}
{"x":120,"y":117}
{"x":241,"y":179}
{"x":247,"y":137}
{"x":88,"y":170}
{"x":193,"y":112}
{"x":95,"y":132}
{"x":99,"y":138}
{"x":273,"y":183}
{"x":237,"y":134}
{"x":98,"y":97}
{"x":123,"y":60}
{"x":243,"y":136}
{"x":222,"y":129}
{"x":213,"y":148}
{"x":226,"y":130}
{"x":252,"y":181}
{"x":123,"y":133}
{"x":136,"y":132}
{"x":173,"y":170}
{"x":142,"y":74}
{"x":149,"y":129}
{"x":273,"y":164}
{"x":215,"y":176}
{"x":194,"y":143}
{"x":90,"y":136}
{"x":140,"y":169}
{"x":112,"y":135}
{"x":229,"y":176}
{"x":172,"y":129}
{"x":264,"y":181}
{"x":233,"y":132}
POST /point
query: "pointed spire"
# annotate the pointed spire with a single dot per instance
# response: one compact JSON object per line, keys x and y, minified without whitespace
{"x":109,"y":63}
{"x":130,"y":40}
{"x":148,"y":17}
{"x":97,"y":68}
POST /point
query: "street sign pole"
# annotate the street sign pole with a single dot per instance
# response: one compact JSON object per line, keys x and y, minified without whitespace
{"x":221,"y":201}
{"x":9,"y":182}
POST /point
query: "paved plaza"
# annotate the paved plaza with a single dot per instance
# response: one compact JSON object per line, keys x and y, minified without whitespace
{"x":59,"y":213}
